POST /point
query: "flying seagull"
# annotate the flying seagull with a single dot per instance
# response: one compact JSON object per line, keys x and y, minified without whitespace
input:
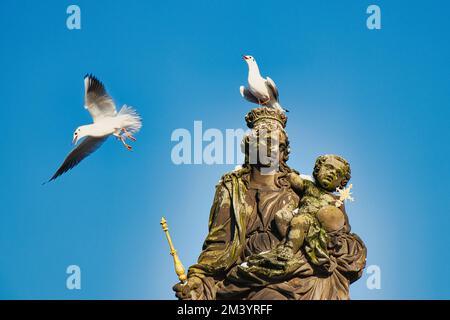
{"x":107,"y":121}
{"x":260,"y":91}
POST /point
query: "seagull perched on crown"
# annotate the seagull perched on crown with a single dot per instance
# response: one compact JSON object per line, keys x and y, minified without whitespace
{"x":260,"y":91}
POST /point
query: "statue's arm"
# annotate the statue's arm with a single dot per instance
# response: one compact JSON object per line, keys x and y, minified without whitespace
{"x":284,"y":216}
{"x":214,"y":259}
{"x":298,"y":184}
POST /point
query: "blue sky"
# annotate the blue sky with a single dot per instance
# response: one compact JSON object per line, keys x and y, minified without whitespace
{"x":379,"y":98}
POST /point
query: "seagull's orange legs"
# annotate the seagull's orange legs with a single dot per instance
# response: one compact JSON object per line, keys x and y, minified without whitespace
{"x":123,"y":140}
{"x":125,"y":144}
{"x":128,"y":134}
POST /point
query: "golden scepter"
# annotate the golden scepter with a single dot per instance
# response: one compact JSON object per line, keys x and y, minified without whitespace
{"x":179,"y":269}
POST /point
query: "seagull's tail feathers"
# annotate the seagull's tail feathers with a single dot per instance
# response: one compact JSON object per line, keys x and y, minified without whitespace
{"x":131,"y":119}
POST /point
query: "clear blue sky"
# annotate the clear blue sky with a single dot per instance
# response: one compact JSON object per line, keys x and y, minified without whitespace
{"x":379,"y":98}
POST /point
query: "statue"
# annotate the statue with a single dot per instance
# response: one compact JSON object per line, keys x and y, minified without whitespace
{"x":314,"y":224}
{"x":274,"y":234}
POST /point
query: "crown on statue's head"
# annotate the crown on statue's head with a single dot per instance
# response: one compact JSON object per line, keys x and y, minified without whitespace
{"x":266,"y":117}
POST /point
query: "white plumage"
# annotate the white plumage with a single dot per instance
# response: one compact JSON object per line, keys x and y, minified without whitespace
{"x":106,"y":121}
{"x":260,"y":91}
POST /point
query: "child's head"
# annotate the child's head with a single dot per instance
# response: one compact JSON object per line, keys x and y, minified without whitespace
{"x":331,"y":171}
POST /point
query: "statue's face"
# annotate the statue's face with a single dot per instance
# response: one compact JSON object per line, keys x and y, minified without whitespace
{"x":269,"y":149}
{"x":331,"y":174}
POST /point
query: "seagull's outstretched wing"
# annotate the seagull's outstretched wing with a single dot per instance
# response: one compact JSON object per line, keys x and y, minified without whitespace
{"x":84,"y":149}
{"x":248,"y":95}
{"x":271,"y":85}
{"x":97,"y":100}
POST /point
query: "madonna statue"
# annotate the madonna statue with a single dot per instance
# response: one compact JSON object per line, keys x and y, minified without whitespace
{"x":250,"y":220}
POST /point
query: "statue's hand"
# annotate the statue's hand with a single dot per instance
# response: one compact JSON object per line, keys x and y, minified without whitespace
{"x":268,"y":260}
{"x":283,"y":219}
{"x":190,"y":290}
{"x":285,"y":253}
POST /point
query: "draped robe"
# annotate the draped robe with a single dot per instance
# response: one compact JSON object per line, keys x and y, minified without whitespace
{"x":242,"y":224}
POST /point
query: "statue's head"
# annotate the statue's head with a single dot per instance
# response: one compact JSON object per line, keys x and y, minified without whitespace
{"x":331,"y":171}
{"x":267,"y":144}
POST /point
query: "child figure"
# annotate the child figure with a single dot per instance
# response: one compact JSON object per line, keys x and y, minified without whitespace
{"x":318,"y":215}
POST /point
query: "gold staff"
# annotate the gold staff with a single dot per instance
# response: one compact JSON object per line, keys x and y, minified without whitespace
{"x":179,"y":269}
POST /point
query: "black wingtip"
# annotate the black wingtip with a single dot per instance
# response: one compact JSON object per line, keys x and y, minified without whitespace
{"x":94,"y":84}
{"x":45,"y":182}
{"x":92,"y":77}
{"x":51,"y":179}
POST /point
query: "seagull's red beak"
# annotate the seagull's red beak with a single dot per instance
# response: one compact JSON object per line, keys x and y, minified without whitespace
{"x":245,"y":57}
{"x":75,"y":139}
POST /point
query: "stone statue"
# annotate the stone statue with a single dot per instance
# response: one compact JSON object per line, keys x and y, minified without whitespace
{"x":314,"y":224}
{"x":272,"y":233}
